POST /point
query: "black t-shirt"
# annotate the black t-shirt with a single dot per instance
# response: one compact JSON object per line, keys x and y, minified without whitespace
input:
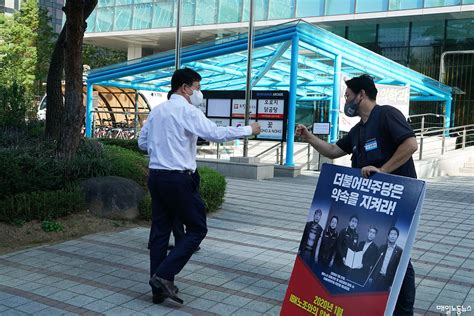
{"x":375,"y":141}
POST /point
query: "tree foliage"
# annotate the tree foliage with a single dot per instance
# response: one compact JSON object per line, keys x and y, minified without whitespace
{"x":25,"y":46}
{"x":97,"y":57}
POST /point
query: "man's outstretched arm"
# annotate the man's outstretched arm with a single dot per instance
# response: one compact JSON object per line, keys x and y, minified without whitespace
{"x":331,"y":151}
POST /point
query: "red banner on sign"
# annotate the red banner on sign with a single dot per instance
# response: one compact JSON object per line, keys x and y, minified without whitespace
{"x":270,"y":116}
{"x":307,"y":296}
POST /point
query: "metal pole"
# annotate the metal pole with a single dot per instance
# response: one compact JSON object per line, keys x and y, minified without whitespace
{"x":135,"y":119}
{"x":309,"y":155}
{"x":464,"y":138}
{"x":248,"y":88}
{"x":290,"y":131}
{"x":90,"y":91}
{"x":178,"y":35}
{"x":334,"y":111}
{"x":421,"y":137}
{"x":282,"y":144}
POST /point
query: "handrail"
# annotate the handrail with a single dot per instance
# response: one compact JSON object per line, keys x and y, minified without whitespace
{"x":268,"y":150}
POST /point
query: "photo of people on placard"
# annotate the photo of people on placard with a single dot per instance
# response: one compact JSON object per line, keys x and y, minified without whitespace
{"x":369,"y":252}
{"x":327,"y":250}
{"x":348,"y":240}
{"x":311,"y":236}
{"x":389,"y":258}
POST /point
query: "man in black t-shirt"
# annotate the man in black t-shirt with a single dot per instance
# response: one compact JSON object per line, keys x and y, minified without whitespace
{"x":381,"y":142}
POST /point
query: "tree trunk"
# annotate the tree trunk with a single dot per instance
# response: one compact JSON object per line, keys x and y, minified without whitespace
{"x":70,"y":134}
{"x":54,"y":93}
{"x":54,"y":97}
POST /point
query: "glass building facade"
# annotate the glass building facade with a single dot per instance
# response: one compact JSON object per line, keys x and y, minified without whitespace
{"x":119,"y":15}
{"x":411,"y":41}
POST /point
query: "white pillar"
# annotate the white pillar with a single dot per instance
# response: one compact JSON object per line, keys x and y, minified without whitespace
{"x":134,"y":52}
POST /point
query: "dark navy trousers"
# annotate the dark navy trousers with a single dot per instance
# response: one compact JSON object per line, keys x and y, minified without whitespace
{"x":175,"y":197}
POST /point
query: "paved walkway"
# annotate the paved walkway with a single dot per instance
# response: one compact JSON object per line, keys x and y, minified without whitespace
{"x":245,"y":261}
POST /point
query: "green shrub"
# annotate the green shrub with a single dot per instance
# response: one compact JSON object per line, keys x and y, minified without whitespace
{"x":131,"y":144}
{"x":127,"y":164}
{"x":144,"y":207}
{"x":14,"y":104}
{"x":45,"y":205}
{"x":212,"y":190}
{"x":51,"y":226}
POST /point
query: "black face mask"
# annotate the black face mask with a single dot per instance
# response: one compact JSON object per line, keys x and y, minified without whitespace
{"x":351,"y":108}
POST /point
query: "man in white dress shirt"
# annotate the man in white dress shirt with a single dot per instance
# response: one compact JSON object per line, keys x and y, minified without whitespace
{"x":169,"y":136}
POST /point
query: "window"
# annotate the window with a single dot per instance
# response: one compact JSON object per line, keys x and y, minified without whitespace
{"x":371,"y":6}
{"x":461,"y":32}
{"x":427,"y":33}
{"x":260,"y":13}
{"x":205,"y":12}
{"x":362,"y":34}
{"x":142,"y":16}
{"x":105,"y":19}
{"x":123,"y":18}
{"x":393,"y":34}
{"x":405,"y":4}
{"x":306,"y":8}
{"x":281,"y":9}
{"x":441,"y":3}
{"x":188,"y":13}
{"x":334,"y":7}
{"x":163,"y":14}
{"x":229,"y":11}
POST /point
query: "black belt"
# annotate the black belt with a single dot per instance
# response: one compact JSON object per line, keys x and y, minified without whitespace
{"x":166,"y":171}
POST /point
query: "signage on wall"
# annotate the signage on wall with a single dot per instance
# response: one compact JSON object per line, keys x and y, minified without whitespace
{"x":269,"y":108}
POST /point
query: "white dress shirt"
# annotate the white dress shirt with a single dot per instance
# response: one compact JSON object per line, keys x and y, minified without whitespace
{"x":386,"y":259}
{"x":171,"y":130}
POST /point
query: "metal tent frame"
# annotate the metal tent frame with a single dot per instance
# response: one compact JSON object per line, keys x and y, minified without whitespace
{"x":304,"y":59}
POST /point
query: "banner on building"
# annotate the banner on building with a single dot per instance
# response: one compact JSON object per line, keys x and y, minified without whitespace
{"x":396,"y":96}
{"x":356,"y":244}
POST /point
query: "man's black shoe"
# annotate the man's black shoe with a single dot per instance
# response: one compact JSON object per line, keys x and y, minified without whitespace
{"x":158,"y":297}
{"x":167,"y":287}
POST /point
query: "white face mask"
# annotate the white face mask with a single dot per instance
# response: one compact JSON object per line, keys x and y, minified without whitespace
{"x":196,"y":98}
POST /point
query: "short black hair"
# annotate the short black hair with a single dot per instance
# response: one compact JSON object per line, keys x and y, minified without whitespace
{"x":318,"y":211}
{"x":183,"y":76}
{"x":337,"y":218}
{"x":354,"y":216}
{"x":374,"y":228}
{"x":364,"y":82}
{"x":395,"y":229}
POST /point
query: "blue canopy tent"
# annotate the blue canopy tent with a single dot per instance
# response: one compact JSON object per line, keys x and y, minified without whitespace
{"x":304,"y":59}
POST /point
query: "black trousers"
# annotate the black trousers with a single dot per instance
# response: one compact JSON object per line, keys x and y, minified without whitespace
{"x":175,"y":197}
{"x":406,"y":298}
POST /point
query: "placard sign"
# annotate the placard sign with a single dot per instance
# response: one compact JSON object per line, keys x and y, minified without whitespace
{"x":269,"y":108}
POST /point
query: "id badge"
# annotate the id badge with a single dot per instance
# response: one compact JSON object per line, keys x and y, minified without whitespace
{"x":371,"y":144}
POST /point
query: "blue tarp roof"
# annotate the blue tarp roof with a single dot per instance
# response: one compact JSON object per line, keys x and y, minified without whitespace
{"x":304,"y":59}
{"x":223,"y":63}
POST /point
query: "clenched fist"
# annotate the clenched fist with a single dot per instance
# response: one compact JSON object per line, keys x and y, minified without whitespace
{"x":255,"y":128}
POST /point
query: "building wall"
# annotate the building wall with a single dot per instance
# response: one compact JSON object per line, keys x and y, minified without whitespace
{"x":54,"y":8}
